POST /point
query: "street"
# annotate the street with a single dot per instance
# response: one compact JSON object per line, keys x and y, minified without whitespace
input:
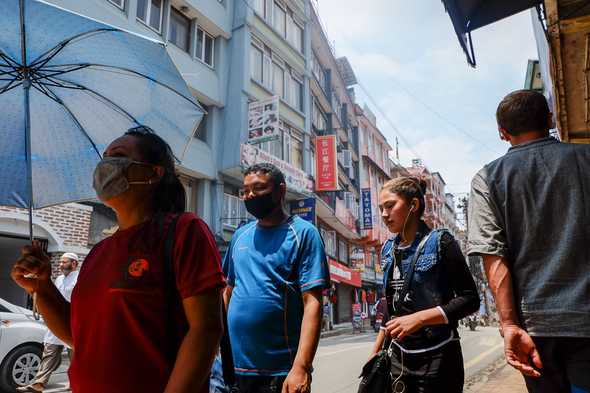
{"x":339,"y":359}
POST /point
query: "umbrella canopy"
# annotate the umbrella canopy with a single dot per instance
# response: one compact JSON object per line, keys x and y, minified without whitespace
{"x":69,"y":85}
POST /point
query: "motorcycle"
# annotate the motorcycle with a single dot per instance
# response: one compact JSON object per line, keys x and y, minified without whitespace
{"x":472,"y":323}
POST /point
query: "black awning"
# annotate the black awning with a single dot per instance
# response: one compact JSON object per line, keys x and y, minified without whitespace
{"x":468,"y":15}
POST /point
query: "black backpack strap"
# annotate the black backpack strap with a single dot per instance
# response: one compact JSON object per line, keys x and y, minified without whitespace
{"x":170,"y":290}
{"x":410,"y":275}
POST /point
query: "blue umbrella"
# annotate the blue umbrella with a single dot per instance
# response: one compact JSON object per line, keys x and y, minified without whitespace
{"x":69,"y":85}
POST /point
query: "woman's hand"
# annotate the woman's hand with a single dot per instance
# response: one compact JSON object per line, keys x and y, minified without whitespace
{"x":33,"y":269}
{"x":400,"y":327}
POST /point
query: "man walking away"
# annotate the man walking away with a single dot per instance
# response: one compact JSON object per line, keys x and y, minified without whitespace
{"x":529,"y":218}
{"x":276,"y":269}
{"x":53,"y":346}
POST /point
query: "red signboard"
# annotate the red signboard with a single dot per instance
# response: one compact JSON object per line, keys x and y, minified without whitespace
{"x":344,"y":274}
{"x":326,"y":164}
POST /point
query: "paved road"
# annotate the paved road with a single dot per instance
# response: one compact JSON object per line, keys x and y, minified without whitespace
{"x":339,"y":359}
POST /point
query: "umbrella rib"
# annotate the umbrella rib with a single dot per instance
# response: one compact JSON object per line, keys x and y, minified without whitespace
{"x":93,"y":65}
{"x":43,"y":71}
{"x":51,"y":53}
{"x":8,"y":87}
{"x":67,"y":109}
{"x":9,"y":60}
{"x":116,"y":106}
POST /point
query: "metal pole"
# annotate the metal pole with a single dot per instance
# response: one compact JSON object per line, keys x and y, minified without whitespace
{"x":27,"y":88}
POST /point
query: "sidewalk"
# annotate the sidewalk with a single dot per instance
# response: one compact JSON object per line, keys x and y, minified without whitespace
{"x":504,"y":379}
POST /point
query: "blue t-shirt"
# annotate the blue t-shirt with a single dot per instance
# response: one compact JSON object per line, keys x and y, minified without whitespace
{"x":269,"y":268}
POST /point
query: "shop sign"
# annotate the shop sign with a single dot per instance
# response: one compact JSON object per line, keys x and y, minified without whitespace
{"x":326,"y":164}
{"x":367,"y":208}
{"x":296,"y":179}
{"x":263,"y":120}
{"x":304,"y":208}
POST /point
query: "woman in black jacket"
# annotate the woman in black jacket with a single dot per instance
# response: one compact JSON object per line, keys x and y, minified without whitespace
{"x":428,"y":289}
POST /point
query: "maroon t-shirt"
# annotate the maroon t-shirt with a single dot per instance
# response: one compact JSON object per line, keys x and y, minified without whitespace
{"x":124,"y":337}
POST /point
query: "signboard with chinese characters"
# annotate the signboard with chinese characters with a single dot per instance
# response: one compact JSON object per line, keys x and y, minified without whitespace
{"x":304,"y":208}
{"x":263,"y":120}
{"x":326,"y":164}
{"x":296,"y":179}
{"x":367,"y":209}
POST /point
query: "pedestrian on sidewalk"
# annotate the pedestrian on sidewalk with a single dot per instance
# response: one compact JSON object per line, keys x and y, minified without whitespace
{"x":529,"y":215}
{"x":276,"y":270}
{"x":428,"y":289}
{"x":146,"y":312}
{"x":53,"y":346}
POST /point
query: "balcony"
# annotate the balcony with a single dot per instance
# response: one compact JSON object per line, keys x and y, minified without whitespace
{"x":333,"y":211}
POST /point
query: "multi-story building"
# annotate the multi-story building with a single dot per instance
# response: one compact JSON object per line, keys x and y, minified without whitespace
{"x":435,"y":193}
{"x":332,"y":113}
{"x":449,"y":214}
{"x":197,"y":34}
{"x":375,"y":171}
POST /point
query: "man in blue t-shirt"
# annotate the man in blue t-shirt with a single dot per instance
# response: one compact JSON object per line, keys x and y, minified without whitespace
{"x":276,"y":269}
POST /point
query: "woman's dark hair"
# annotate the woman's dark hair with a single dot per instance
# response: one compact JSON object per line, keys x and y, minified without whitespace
{"x":408,"y":188}
{"x":523,"y":111}
{"x":169,"y":195}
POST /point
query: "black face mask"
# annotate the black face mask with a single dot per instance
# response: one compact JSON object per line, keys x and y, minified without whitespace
{"x":260,"y":206}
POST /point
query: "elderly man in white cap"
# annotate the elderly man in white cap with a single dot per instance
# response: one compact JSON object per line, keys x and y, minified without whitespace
{"x":53,"y":347}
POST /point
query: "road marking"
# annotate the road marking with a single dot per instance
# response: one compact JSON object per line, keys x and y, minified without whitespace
{"x":482,"y":355}
{"x":365,"y":345}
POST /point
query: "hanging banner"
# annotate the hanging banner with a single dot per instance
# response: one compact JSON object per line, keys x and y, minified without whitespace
{"x":367,"y":209}
{"x":296,"y":179}
{"x":326,"y":164}
{"x":263,"y":120}
{"x":304,"y":208}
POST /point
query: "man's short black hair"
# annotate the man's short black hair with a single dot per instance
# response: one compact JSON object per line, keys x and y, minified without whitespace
{"x":522,"y":111}
{"x":276,"y":175}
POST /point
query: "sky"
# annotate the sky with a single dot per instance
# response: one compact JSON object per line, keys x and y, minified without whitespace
{"x":406,"y":55}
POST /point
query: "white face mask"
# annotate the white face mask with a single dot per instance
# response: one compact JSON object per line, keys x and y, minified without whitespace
{"x":110,"y":177}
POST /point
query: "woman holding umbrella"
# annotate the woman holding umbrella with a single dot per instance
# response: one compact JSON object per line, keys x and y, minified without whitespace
{"x":428,"y":289}
{"x":146,"y":312}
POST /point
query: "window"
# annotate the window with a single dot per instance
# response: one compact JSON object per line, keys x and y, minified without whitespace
{"x":343,"y":252}
{"x":312,"y":159}
{"x":180,"y":27}
{"x":118,"y":3}
{"x":260,"y":7}
{"x":295,"y":92}
{"x":329,"y":238}
{"x":150,"y":13}
{"x":296,"y":35}
{"x":274,"y":147}
{"x":278,"y":80}
{"x":234,"y":211}
{"x":318,"y":118}
{"x":256,"y":63}
{"x":205,"y":47}
{"x":280,"y":20}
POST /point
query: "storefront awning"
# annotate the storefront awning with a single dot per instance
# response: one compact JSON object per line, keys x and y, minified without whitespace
{"x":343,"y":274}
{"x":468,"y":15}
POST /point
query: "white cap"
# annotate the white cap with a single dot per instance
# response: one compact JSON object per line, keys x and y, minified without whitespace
{"x":70,"y":255}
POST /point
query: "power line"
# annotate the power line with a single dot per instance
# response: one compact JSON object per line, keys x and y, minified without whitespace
{"x":443,"y":118}
{"x":388,"y":120}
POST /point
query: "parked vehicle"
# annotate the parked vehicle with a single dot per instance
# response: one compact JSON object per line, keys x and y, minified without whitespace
{"x":379,"y":310}
{"x":21,"y":346}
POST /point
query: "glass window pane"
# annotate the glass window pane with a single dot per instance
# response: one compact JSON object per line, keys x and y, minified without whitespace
{"x":278,"y":84}
{"x":179,"y":30}
{"x":208,"y":50}
{"x":155,"y":14}
{"x":256,"y":63}
{"x":199,"y":51}
{"x":142,"y":6}
{"x":280,"y":19}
